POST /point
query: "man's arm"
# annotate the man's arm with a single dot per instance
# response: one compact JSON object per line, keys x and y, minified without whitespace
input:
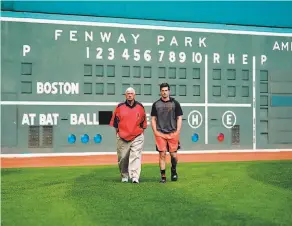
{"x":178,"y":114}
{"x":153,"y":119}
{"x":179,"y":123}
{"x":144,"y":119}
{"x":153,"y":124}
{"x":115,"y":120}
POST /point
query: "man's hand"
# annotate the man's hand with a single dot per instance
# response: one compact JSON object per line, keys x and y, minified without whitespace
{"x":153,"y":124}
{"x":176,"y":133}
{"x":157,"y":133}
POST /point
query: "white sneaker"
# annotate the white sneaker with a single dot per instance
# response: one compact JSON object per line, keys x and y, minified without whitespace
{"x":125,"y":179}
{"x":135,"y":180}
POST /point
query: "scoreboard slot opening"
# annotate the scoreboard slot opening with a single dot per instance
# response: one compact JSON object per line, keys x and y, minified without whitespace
{"x":104,"y":117}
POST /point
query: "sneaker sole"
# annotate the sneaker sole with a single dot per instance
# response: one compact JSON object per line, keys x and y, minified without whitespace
{"x":174,"y":179}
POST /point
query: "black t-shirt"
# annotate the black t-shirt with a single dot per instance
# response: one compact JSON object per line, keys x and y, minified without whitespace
{"x":166,"y":113}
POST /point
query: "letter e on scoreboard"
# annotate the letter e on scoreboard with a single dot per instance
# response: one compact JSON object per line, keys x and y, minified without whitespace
{"x":228,"y":119}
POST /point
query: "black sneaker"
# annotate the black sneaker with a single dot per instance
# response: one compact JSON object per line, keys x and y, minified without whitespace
{"x":163,"y":180}
{"x":174,"y":176}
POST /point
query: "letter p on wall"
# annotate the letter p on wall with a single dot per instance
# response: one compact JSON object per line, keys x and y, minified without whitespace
{"x":25,"y":49}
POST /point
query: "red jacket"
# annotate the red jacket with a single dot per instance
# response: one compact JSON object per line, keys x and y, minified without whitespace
{"x":129,"y":120}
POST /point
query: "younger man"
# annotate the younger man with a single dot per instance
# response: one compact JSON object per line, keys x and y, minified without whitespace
{"x":166,"y":121}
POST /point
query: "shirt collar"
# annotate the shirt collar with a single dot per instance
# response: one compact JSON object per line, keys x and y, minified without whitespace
{"x":134,"y":104}
{"x":170,"y":99}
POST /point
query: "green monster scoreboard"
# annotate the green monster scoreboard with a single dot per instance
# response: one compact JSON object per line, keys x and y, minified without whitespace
{"x":61,"y":80}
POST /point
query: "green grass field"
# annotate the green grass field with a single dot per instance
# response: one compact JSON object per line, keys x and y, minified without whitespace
{"x":236,"y":193}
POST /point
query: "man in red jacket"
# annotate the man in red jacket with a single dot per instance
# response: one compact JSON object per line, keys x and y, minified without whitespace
{"x":129,"y":120}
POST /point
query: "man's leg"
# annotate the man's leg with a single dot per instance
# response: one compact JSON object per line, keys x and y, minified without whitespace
{"x":162,"y":156}
{"x":173,"y":147}
{"x":173,"y":156}
{"x":136,"y":150}
{"x":123,"y":151}
{"x":161,"y":148}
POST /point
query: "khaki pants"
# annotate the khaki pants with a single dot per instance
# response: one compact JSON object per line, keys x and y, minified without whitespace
{"x":129,"y":156}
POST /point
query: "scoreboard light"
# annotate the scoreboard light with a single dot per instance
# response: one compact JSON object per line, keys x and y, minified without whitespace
{"x":220,"y":137}
{"x":71,"y":139}
{"x":84,"y":139}
{"x":97,"y":138}
{"x":195,"y":137}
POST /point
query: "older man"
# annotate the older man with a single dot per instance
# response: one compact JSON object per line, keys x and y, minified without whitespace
{"x":129,"y":120}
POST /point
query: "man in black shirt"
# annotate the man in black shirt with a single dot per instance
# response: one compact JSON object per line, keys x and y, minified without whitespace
{"x":166,"y":120}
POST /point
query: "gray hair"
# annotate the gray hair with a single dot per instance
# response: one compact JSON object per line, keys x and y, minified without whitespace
{"x":130,"y":89}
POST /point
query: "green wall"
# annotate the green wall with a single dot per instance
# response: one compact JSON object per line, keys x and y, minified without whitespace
{"x":212,"y":76}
